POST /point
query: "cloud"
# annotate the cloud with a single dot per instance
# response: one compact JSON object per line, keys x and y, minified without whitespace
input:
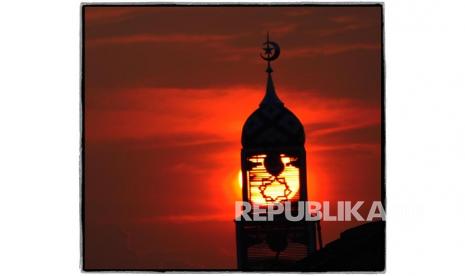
{"x":280,"y":29}
{"x":150,"y":38}
{"x":145,"y":113}
{"x":106,"y":15}
{"x":330,"y":50}
{"x":179,"y":46}
{"x":300,"y":12}
{"x":362,"y":137}
{"x":182,"y":219}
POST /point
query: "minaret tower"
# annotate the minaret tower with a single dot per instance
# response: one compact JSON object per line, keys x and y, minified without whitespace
{"x":273,"y":162}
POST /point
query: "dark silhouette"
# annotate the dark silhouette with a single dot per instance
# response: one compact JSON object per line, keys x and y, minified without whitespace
{"x":360,"y":248}
{"x":271,"y":135}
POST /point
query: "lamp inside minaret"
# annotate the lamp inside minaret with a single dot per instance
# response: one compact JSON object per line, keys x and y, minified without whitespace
{"x":272,"y":178}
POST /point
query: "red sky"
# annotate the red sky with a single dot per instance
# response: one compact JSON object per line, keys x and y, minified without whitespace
{"x":167,"y":90}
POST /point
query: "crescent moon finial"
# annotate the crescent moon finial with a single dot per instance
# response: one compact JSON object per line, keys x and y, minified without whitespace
{"x":271,"y":52}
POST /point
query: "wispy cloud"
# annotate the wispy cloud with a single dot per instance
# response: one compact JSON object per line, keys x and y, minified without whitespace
{"x":152,"y":38}
{"x":344,"y":128}
{"x":280,"y":29}
{"x":188,"y":218}
{"x":97,"y":15}
{"x":354,"y":147}
{"x":331,"y":49}
{"x":300,"y":12}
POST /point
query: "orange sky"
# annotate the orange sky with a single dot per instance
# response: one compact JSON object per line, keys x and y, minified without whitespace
{"x":167,"y":90}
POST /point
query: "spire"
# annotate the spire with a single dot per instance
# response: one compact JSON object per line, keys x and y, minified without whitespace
{"x":270,"y":95}
{"x":271,"y":53}
{"x":272,"y":125}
